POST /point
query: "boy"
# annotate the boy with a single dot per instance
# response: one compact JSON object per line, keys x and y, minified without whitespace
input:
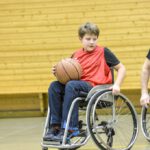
{"x":95,"y":62}
{"x":145,"y":98}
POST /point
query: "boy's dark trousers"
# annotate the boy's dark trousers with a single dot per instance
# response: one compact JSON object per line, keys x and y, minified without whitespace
{"x":60,"y":98}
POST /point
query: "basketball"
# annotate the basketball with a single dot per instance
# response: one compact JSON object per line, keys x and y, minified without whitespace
{"x":68,"y":69}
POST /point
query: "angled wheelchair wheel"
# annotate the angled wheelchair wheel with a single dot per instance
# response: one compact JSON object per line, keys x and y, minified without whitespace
{"x":112,"y":121}
{"x":145,"y":122}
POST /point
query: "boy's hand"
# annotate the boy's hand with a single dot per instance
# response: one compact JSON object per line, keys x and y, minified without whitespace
{"x":115,"y":89}
{"x":145,"y":99}
{"x":53,"y":70}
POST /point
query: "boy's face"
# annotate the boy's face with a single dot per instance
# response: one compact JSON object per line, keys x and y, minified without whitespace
{"x":89,"y":42}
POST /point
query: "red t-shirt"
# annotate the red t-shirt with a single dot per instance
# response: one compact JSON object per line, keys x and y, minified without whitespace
{"x":94,"y":66}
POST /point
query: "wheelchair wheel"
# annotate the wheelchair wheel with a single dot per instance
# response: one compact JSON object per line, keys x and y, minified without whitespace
{"x":145,"y":122}
{"x":112,"y":121}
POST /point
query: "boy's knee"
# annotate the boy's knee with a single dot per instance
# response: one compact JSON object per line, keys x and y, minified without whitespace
{"x":53,"y":85}
{"x":71,"y":85}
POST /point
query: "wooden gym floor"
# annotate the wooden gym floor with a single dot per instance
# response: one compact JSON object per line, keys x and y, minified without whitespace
{"x":26,"y":133}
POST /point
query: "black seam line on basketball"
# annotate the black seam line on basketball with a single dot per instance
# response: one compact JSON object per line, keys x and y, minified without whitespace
{"x":66,"y":71}
{"x":75,"y":68}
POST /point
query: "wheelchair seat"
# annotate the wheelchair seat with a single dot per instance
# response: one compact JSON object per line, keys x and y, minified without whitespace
{"x":87,"y":96}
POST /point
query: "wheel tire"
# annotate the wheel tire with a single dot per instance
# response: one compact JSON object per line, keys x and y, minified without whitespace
{"x":144,"y":124}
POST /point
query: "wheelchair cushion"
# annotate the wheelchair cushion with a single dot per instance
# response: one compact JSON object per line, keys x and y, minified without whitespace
{"x":87,"y":96}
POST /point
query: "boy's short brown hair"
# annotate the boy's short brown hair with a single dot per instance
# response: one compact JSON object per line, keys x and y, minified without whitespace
{"x":88,"y":28}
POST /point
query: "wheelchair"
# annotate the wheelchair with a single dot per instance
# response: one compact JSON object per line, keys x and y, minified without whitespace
{"x":145,"y":122}
{"x":109,"y":120}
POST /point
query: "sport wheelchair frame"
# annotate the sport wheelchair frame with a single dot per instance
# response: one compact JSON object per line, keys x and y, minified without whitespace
{"x":111,"y":121}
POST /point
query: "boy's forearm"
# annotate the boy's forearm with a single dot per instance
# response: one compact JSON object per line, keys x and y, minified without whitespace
{"x":144,"y":80}
{"x":120,"y":76}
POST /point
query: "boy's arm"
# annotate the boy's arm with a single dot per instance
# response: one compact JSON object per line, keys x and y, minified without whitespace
{"x":145,"y":76}
{"x":121,"y":71}
{"x":144,"y":82}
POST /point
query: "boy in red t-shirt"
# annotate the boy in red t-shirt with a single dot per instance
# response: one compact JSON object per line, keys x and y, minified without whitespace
{"x":96,"y":62}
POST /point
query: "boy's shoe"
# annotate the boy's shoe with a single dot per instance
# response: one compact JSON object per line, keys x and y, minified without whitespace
{"x":71,"y":133}
{"x":50,"y":134}
{"x":59,"y":136}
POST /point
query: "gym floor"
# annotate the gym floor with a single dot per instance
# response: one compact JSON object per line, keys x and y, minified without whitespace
{"x":26,"y":134}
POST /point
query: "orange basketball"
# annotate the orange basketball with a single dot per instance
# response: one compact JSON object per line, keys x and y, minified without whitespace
{"x":68,"y":69}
